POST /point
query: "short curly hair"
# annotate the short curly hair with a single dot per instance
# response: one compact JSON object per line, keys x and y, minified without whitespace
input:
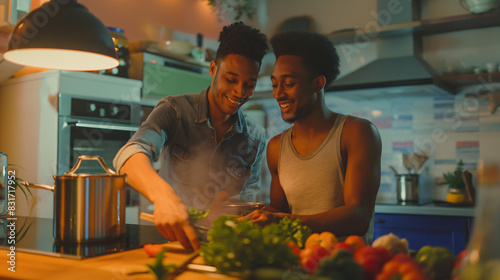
{"x":318,"y":53}
{"x":238,"y":38}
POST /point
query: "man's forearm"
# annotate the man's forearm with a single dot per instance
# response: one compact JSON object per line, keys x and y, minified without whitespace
{"x":342,"y":221}
{"x":143,"y":178}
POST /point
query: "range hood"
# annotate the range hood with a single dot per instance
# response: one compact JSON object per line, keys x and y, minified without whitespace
{"x":398,"y":69}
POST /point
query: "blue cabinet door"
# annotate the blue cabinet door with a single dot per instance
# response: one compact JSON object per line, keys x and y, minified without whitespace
{"x":421,"y":230}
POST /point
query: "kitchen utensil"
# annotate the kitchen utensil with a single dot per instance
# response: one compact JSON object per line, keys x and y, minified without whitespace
{"x":394,"y":170}
{"x":88,"y":207}
{"x":407,"y":187}
{"x":201,"y":230}
{"x":418,"y":160}
{"x":407,"y":162}
{"x":470,"y":193}
{"x":183,"y":266}
{"x":241,"y":208}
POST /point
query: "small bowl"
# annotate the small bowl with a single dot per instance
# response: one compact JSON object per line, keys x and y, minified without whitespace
{"x":241,"y":208}
{"x":177,"y":47}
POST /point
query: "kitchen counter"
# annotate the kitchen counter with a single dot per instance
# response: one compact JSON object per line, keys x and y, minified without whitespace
{"x":130,"y":265}
{"x":426,"y":209}
{"x":38,"y":256}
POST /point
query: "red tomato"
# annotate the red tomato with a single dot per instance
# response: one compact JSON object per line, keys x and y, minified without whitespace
{"x":355,"y":241}
{"x":310,"y":265}
{"x":372,"y":259}
{"x":342,"y":246}
{"x":153,"y":249}
{"x":295,"y":248}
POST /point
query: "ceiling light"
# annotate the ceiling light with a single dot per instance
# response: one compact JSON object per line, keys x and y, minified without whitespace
{"x":64,"y":35}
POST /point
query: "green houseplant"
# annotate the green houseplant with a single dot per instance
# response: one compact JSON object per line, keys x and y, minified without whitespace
{"x":240,"y":8}
{"x":456,"y":184}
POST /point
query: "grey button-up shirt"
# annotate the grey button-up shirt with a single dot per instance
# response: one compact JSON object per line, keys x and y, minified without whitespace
{"x":192,"y":162}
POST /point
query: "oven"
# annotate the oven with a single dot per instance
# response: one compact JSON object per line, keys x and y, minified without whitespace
{"x":97,"y":127}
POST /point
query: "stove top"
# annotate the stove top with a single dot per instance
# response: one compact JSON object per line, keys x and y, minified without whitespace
{"x":35,"y":235}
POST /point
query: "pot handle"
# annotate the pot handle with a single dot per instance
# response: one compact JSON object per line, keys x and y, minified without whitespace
{"x":37,"y":186}
{"x":82,"y":158}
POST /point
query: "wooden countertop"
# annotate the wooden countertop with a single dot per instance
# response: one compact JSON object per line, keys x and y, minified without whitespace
{"x":117,"y":266}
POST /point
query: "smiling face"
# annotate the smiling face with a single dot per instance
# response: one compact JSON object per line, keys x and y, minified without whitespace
{"x":233,"y":84}
{"x":293,"y":87}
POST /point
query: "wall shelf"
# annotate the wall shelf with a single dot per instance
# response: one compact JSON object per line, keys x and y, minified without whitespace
{"x":422,"y":27}
{"x":470,"y":79}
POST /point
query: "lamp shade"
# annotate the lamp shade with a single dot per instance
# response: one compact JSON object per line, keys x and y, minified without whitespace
{"x":62,"y":34}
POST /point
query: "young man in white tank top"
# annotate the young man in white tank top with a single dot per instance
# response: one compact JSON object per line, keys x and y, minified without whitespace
{"x":326,"y":168}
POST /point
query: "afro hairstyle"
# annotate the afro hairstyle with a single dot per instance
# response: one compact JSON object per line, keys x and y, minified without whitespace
{"x":238,"y":38}
{"x":317,"y":52}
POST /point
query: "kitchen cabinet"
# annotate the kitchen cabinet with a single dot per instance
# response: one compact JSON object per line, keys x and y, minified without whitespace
{"x":452,"y":232}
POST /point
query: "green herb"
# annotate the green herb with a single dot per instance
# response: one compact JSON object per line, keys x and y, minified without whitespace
{"x":242,"y":246}
{"x":160,"y":271}
{"x":455,"y":179}
{"x":196,"y":215}
{"x":294,"y":231}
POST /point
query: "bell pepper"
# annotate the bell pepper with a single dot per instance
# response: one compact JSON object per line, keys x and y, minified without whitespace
{"x":403,"y":267}
{"x":340,"y":266}
{"x":457,"y":264}
{"x":436,"y":262}
{"x":372,"y":260}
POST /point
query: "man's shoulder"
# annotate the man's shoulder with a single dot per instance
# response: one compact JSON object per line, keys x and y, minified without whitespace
{"x":357,"y":122}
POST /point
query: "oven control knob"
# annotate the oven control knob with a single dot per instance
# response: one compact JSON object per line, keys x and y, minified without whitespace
{"x":92,"y":107}
{"x":114,"y":110}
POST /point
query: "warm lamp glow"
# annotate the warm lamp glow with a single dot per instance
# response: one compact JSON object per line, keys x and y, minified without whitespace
{"x":62,"y":35}
{"x":61,"y":59}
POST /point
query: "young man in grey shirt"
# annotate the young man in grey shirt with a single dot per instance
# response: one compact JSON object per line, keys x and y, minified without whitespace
{"x":209,"y":150}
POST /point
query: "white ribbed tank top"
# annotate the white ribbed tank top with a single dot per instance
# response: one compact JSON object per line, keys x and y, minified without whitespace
{"x":315,"y":183}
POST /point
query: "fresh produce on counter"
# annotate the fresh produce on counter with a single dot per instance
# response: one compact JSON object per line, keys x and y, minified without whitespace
{"x":401,"y":266}
{"x":152,"y":250}
{"x":436,"y":262}
{"x":340,"y":266}
{"x":392,"y":243}
{"x":241,"y":246}
{"x":196,"y":215}
{"x":158,"y":269}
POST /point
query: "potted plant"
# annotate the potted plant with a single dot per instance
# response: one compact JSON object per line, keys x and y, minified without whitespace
{"x":456,"y":184}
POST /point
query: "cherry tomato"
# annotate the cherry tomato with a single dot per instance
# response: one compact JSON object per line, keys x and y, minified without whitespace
{"x":153,"y":249}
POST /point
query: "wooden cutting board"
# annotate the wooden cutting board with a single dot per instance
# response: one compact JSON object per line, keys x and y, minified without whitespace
{"x":130,"y":265}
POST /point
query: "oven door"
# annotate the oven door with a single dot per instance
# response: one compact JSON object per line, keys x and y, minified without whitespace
{"x":84,"y":137}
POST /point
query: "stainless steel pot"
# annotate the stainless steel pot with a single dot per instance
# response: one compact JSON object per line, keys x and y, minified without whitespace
{"x":407,"y":187}
{"x":88,"y":207}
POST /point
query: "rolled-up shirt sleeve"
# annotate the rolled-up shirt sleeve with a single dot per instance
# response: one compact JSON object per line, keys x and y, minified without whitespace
{"x":152,"y":135}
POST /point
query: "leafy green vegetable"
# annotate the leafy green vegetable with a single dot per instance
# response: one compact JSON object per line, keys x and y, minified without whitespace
{"x":340,"y":266}
{"x":242,"y":246}
{"x":294,"y":231}
{"x":160,"y":271}
{"x":196,"y":215}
